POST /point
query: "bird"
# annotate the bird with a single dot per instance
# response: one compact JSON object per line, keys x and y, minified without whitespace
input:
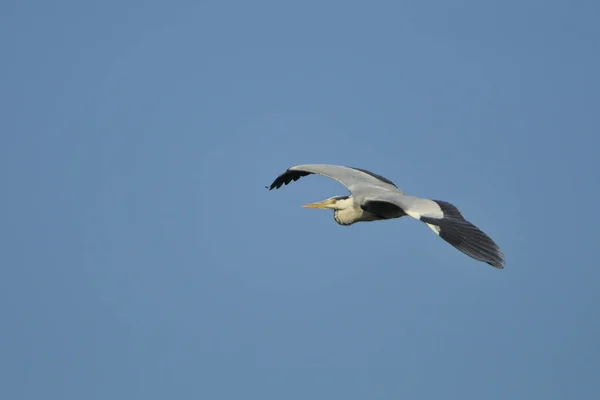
{"x":374,"y":198}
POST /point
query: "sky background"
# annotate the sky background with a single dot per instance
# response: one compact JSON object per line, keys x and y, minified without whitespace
{"x":142,"y":258}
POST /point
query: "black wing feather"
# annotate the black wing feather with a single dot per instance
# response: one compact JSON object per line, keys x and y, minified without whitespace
{"x":465,"y":236}
{"x":293,"y":175}
{"x":287,"y":177}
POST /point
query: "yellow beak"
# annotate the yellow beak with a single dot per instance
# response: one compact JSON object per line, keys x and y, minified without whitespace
{"x":320,"y":204}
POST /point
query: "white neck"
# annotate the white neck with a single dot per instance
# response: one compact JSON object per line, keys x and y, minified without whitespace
{"x":347,"y":212}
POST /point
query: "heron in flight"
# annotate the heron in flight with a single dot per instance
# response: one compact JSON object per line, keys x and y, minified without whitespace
{"x":373,"y":197}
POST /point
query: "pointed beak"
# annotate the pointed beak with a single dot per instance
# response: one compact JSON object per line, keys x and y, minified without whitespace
{"x":320,"y":204}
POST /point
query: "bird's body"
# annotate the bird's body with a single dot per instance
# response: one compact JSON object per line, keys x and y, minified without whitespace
{"x":349,"y":211}
{"x":374,"y":198}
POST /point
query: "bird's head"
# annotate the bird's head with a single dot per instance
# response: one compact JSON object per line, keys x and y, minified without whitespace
{"x":332,"y":203}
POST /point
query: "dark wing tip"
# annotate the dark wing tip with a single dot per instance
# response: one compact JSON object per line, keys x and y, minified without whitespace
{"x":287,"y":177}
{"x":499,"y":265}
{"x":496,"y":259}
{"x":469,"y":239}
{"x":466,"y":237}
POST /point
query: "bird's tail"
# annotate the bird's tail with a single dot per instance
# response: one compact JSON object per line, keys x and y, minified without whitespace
{"x":465,"y":236}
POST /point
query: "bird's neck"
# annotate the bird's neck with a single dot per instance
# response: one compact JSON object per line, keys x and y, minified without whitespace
{"x":347,"y":212}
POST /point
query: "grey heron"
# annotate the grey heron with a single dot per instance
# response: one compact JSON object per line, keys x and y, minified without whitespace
{"x":373,"y":197}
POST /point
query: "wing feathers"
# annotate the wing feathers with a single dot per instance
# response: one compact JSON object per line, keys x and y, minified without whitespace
{"x":287,"y":177}
{"x":465,"y":236}
{"x":349,"y":177}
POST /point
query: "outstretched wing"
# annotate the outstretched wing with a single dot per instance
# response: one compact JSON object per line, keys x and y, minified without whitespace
{"x":347,"y":176}
{"x":448,"y":223}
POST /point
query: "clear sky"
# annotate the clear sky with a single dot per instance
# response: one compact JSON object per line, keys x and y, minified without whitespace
{"x":142,"y":257}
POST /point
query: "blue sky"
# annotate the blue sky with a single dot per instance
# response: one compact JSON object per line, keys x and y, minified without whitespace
{"x":142,"y":257}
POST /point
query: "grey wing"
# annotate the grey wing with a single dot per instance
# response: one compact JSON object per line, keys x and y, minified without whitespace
{"x":448,"y":223}
{"x":351,"y":178}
